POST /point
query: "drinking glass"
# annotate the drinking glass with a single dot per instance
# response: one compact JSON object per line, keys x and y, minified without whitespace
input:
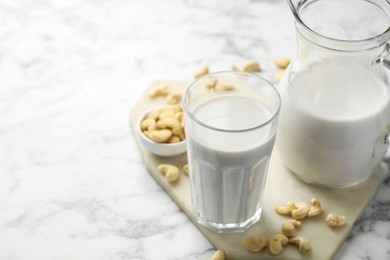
{"x":230,"y":122}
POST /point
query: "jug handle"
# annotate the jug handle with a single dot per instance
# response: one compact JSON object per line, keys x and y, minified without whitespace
{"x":383,"y":57}
{"x":385,"y":62}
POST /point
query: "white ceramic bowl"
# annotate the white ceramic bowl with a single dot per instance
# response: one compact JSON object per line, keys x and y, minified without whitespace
{"x":162,"y":149}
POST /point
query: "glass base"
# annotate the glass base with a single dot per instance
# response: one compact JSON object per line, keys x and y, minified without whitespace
{"x":331,"y":186}
{"x":230,"y":227}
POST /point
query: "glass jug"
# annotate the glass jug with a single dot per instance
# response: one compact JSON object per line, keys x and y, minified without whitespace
{"x":335,"y":118}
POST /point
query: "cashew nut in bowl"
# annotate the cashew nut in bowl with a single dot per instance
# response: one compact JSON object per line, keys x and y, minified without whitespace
{"x":170,"y":171}
{"x":253,"y":244}
{"x":289,"y":227}
{"x":161,"y":130}
{"x":276,"y":244}
{"x":148,"y":124}
{"x":160,"y":136}
{"x":172,"y":123}
{"x":174,"y":139}
{"x":304,"y":244}
{"x":300,"y":211}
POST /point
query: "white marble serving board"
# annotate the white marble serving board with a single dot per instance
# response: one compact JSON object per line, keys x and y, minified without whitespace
{"x":281,"y":187}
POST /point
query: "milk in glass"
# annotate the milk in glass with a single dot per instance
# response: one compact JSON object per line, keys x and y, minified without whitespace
{"x":229,"y":168}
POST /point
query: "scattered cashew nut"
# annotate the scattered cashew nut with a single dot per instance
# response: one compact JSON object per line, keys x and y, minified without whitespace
{"x":203,"y":71}
{"x":170,"y":171}
{"x":315,"y":208}
{"x":289,"y":227}
{"x":301,"y":210}
{"x":251,"y":66}
{"x":304,"y":244}
{"x":185,"y":168}
{"x":218,"y":255}
{"x":279,"y":75}
{"x":224,"y":87}
{"x":276,"y":244}
{"x":282,"y":63}
{"x":211,"y":83}
{"x":335,"y":220}
{"x":158,"y":91}
{"x":235,"y":68}
{"x":253,"y":244}
{"x":285,"y":210}
{"x":173,"y":98}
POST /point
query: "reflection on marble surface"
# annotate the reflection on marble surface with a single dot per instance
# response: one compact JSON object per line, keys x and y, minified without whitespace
{"x":73,"y":185}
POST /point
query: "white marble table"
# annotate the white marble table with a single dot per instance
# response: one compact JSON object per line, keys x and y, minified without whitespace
{"x":72,"y":183}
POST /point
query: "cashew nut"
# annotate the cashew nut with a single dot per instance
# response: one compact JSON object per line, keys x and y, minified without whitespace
{"x":224,"y":87}
{"x":218,"y":255}
{"x":211,"y":83}
{"x":289,"y":227}
{"x":154,"y":114}
{"x":315,"y":208}
{"x":164,"y":125}
{"x":276,"y":244}
{"x":169,"y":111}
{"x":173,"y":98}
{"x":282,"y":63}
{"x":174,"y":139}
{"x":172,"y":123}
{"x":279,"y":75}
{"x":179,"y":116}
{"x":158,"y":91}
{"x":335,"y":220}
{"x":300,"y":211}
{"x":235,"y":68}
{"x":160,"y":136}
{"x":251,"y":66}
{"x":285,"y":210}
{"x":148,"y":124}
{"x":185,"y":168}
{"x":253,"y":244}
{"x":304,"y":244}
{"x":203,"y":71}
{"x":170,"y":171}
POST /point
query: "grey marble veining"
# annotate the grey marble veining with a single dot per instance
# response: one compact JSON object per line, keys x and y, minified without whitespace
{"x":72,"y":183}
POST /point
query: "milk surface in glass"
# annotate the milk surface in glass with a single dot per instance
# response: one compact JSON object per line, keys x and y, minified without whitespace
{"x":229,"y":169}
{"x":328,"y":135}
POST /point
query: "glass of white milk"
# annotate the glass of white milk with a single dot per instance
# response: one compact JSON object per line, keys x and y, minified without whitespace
{"x":230,"y":136}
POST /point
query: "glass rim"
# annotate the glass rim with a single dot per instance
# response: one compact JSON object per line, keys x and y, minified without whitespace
{"x":338,"y":44}
{"x":267,"y":83}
